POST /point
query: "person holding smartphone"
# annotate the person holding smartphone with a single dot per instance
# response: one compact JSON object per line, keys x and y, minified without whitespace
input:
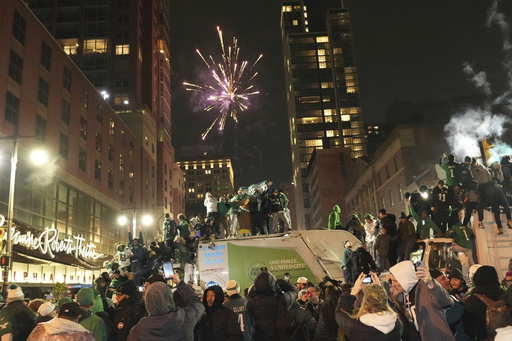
{"x":375,"y":319}
{"x":165,"y":320}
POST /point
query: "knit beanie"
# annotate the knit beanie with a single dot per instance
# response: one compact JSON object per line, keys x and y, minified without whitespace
{"x":434,"y":273}
{"x":85,"y":296}
{"x":455,"y":273}
{"x":159,"y":299}
{"x":128,"y":288}
{"x":232,"y":287}
{"x":15,"y":294}
{"x":375,"y":296}
{"x":97,"y":304}
{"x":63,"y":300}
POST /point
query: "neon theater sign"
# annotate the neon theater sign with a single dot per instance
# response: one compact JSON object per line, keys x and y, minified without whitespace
{"x":48,"y":242}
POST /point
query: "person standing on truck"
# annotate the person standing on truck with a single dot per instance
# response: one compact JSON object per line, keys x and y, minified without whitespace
{"x":211,"y":204}
{"x":346,"y":261}
{"x":452,"y":170}
{"x":137,"y":249}
{"x":441,"y":208}
{"x":276,"y":209}
{"x":408,"y":235}
{"x":169,"y":228}
{"x":334,"y":222}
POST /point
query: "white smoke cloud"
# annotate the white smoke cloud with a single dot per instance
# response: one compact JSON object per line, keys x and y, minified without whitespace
{"x":479,"y":79}
{"x":466,"y":129}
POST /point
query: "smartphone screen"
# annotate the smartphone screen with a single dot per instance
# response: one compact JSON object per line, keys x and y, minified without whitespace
{"x":367,"y":280}
{"x":168,"y":270}
{"x":420,"y":264}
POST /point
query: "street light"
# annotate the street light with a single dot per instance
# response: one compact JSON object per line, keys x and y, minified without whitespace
{"x":146,"y":220}
{"x":40,"y":158}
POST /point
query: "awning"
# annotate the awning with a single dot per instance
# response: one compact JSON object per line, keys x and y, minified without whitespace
{"x":23,"y":254}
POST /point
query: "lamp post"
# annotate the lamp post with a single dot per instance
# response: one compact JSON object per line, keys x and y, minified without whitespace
{"x":10,"y":206}
{"x":146,"y":220}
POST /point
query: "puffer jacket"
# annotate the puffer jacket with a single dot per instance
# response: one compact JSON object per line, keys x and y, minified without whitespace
{"x":128,"y":314}
{"x":60,"y":330}
{"x":219,"y":323}
{"x":262,"y":304}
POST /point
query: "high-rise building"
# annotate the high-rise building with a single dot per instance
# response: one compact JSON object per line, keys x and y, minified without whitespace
{"x":208,"y":174}
{"x":322,"y":87}
{"x":65,"y":213}
{"x":122,"y":46}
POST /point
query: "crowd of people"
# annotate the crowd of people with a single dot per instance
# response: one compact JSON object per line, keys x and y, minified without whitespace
{"x":415,"y":303}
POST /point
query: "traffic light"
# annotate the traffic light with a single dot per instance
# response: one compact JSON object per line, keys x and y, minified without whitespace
{"x":486,"y":146}
{"x":4,"y":260}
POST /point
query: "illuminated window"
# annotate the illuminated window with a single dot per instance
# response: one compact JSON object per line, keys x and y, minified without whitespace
{"x":356,"y":124}
{"x":350,"y":69}
{"x":323,"y":39}
{"x":321,"y":58}
{"x":287,"y":8}
{"x":327,"y":85}
{"x":312,"y":143}
{"x":309,"y":99}
{"x":322,"y":65}
{"x":328,"y":112}
{"x":120,"y":99}
{"x":331,"y":133}
{"x":354,"y":110}
{"x":351,"y":83}
{"x":95,"y":46}
{"x":321,"y":52}
{"x":122,"y":49}
{"x":352,"y":90}
{"x":295,"y":23}
{"x":329,"y":119}
{"x":310,"y":120}
{"x":345,"y":118}
{"x":336,"y":50}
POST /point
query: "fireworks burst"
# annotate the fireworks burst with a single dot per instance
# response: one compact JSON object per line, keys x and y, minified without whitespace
{"x":231,"y":90}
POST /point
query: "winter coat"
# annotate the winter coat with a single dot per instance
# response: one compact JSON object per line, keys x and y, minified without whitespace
{"x":219,"y":323}
{"x":178,"y":324}
{"x":184,"y":229}
{"x":475,"y":310}
{"x":370,"y":231}
{"x":59,"y":329}
{"x":346,"y":259}
{"x":372,"y":327}
{"x":305,"y":316}
{"x":334,"y":218}
{"x":362,"y":262}
{"x":17,"y":319}
{"x":262,"y":304}
{"x":453,"y":172}
{"x":128,"y":313}
{"x":211,"y":204}
{"x":428,"y":304}
{"x":407,"y":230}
{"x":382,"y":244}
{"x":222,"y":208}
{"x":94,"y":324}
{"x":327,"y":328}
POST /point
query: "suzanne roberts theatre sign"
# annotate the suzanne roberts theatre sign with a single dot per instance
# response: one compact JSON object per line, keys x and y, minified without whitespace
{"x":48,"y":242}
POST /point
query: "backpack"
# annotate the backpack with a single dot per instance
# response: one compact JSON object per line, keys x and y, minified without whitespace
{"x":287,"y":325}
{"x":494,"y":315}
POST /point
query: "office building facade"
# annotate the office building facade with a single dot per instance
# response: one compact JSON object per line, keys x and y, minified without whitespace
{"x":122,"y":47}
{"x":322,"y":88}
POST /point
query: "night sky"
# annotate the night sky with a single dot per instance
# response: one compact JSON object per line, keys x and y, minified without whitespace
{"x":405,"y":50}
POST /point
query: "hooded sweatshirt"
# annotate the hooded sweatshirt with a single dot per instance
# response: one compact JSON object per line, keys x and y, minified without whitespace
{"x":382,"y":326}
{"x":165,"y":321}
{"x":219,"y":323}
{"x":334,"y":218}
{"x":424,"y":305}
{"x":59,"y":329}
